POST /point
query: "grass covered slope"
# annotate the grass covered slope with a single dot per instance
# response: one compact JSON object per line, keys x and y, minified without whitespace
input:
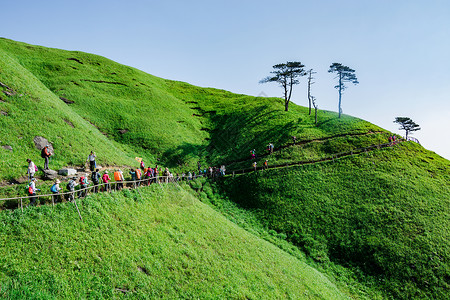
{"x":385,"y":214}
{"x":164,"y":121}
{"x":130,"y":107}
{"x":239,"y":123}
{"x":163,"y":244}
{"x":32,"y":110}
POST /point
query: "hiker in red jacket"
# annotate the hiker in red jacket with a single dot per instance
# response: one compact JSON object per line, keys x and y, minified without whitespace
{"x":45,"y":154}
{"x":105,"y":179}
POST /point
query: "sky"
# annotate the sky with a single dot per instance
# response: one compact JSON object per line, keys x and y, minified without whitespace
{"x":400,"y":50}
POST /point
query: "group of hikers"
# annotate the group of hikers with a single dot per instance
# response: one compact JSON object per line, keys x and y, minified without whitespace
{"x":392,"y":140}
{"x":148,"y":175}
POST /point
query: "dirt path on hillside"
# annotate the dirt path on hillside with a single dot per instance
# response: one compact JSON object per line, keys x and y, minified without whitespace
{"x":304,"y":142}
{"x":39,"y":176}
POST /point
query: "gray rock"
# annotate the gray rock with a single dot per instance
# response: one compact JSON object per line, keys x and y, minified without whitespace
{"x":50,"y":174}
{"x":8,"y":147}
{"x":41,"y":142}
{"x":67,"y":172}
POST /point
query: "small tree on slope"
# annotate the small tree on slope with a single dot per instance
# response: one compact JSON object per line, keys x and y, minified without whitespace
{"x":286,"y":74}
{"x":407,"y":124}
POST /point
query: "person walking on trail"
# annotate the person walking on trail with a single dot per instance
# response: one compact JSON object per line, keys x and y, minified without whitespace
{"x":222,"y":170}
{"x":294,"y":139}
{"x":32,"y":169}
{"x":95,"y":176}
{"x":270,"y":148}
{"x":149,"y":176}
{"x":106,"y":179}
{"x":254,"y":165}
{"x":133,"y":177}
{"x":266,"y":164}
{"x":83,"y":185}
{"x":118,"y":177}
{"x":71,"y":187}
{"x":138,"y":177}
{"x":166,"y":174}
{"x":45,"y":154}
{"x":142,"y":165}
{"x":32,"y":191}
{"x":92,"y":162}
{"x":55,"y":190}
{"x":155,"y":173}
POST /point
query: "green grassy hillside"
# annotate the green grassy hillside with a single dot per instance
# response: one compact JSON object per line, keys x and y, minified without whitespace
{"x":164,"y":121}
{"x":381,"y":215}
{"x":33,"y":110}
{"x":385,"y":213}
{"x":158,"y":243}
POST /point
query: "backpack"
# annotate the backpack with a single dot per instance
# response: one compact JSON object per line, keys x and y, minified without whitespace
{"x":53,"y":188}
{"x":70,"y":185}
{"x":94,"y":177}
{"x":35,"y":168}
{"x":30,"y":190}
{"x":43,"y":155}
{"x":83,"y":180}
{"x":138,"y":174}
{"x":117,"y":176}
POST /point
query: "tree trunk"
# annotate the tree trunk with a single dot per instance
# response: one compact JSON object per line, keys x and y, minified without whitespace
{"x":340,"y":93}
{"x":315,"y":109}
{"x":309,"y":90}
{"x":286,"y":104}
{"x":286,"y":99}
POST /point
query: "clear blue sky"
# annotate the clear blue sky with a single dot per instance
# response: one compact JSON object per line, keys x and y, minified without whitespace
{"x":400,"y":49}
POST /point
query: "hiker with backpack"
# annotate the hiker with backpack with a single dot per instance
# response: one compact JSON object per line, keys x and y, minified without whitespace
{"x":133,"y":177}
{"x":118,"y":177}
{"x":155,"y":173}
{"x":166,"y":174}
{"x":32,"y":191}
{"x":71,"y":188}
{"x":138,"y":177}
{"x":55,"y":190}
{"x":106,"y":179}
{"x":83,"y":185}
{"x":142,"y":165}
{"x":149,"y":174}
{"x":32,"y":169}
{"x":266,"y":164}
{"x":92,"y":162}
{"x":222,"y":170}
{"x":95,"y":176}
{"x":45,"y":154}
{"x":254,"y":165}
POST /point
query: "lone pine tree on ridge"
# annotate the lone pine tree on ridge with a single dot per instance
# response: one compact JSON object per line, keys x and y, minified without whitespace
{"x":344,"y":74}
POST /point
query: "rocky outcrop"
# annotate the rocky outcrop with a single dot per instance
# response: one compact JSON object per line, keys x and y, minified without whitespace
{"x":49,"y":174}
{"x":67,"y":172}
{"x":40,"y":142}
